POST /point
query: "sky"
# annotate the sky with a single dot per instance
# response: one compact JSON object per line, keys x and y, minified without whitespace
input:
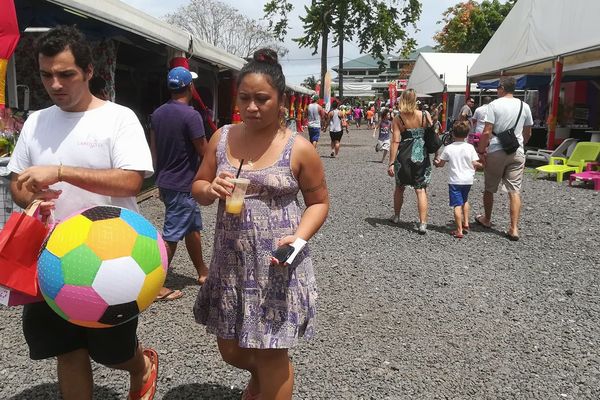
{"x":300,"y":63}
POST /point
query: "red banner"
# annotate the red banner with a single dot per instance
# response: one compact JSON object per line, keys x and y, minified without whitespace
{"x":393,"y":93}
{"x":9,"y":37}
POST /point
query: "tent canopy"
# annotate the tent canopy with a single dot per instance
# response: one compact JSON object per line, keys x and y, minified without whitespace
{"x":38,"y":13}
{"x":538,"y":32}
{"x":433,"y":70}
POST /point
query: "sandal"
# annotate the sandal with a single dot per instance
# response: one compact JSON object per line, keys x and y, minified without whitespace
{"x":466,"y":229}
{"x":149,"y":388}
{"x":457,"y":235}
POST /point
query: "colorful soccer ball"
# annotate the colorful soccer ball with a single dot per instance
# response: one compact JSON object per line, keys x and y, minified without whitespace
{"x":102,"y":266}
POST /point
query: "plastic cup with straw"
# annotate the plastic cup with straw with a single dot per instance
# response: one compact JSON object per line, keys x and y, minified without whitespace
{"x":235,"y":202}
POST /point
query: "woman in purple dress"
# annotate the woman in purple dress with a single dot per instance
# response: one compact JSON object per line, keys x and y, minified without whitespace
{"x":257,"y":307}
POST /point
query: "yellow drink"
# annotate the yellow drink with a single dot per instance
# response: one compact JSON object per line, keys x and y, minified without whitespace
{"x":234,"y":206}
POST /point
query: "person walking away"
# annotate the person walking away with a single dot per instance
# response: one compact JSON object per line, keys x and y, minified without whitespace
{"x":409,"y":161}
{"x":316,"y":116}
{"x":345,"y":112}
{"x":370,"y":115}
{"x":80,"y":152}
{"x":503,"y":114}
{"x":462,"y":159}
{"x":383,"y":140}
{"x":334,"y":121}
{"x":259,"y":308}
{"x":478,"y":122}
{"x":357,"y":116}
{"x":178,"y":142}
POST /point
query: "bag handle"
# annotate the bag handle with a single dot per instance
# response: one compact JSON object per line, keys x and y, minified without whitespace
{"x":29,"y":211}
{"x":518,"y":118}
{"x":33,"y":208}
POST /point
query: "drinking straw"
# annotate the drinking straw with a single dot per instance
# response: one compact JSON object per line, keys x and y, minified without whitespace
{"x":238,"y":174}
{"x":239,"y":169}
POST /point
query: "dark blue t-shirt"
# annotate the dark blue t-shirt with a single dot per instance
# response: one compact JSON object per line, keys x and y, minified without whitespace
{"x":175,"y":126}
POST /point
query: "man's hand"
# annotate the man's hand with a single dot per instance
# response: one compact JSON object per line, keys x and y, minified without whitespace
{"x":48,"y":204}
{"x":38,"y":178}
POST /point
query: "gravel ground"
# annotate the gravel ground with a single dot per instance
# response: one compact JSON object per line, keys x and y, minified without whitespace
{"x":401,"y":316}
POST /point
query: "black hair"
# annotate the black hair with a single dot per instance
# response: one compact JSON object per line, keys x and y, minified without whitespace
{"x":461,"y":129}
{"x":334,"y":105}
{"x":508,"y":83}
{"x":97,"y":85}
{"x":265,"y":62}
{"x":62,"y":38}
{"x":385,"y":113}
{"x":487,"y":100}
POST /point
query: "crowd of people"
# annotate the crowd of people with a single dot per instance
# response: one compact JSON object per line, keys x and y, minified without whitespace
{"x":85,"y":151}
{"x":78,"y":153}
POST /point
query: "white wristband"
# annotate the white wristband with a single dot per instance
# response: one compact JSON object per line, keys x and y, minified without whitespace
{"x":298,"y":245}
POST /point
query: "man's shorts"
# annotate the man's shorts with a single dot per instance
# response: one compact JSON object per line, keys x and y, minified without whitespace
{"x":508,"y":168}
{"x":314,"y":134}
{"x":336,"y":136}
{"x":459,"y":194}
{"x":49,"y":335}
{"x":182,"y":215}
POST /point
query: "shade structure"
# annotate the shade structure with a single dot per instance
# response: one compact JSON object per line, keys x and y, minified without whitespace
{"x":434,"y":70}
{"x":9,"y":37}
{"x":536,"y":32}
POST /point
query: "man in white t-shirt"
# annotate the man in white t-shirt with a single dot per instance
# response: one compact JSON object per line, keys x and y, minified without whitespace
{"x":478,"y":121}
{"x":502,"y":115}
{"x":81,"y":152}
{"x":316,"y":116}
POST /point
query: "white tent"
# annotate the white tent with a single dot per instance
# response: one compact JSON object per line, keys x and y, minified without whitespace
{"x":536,"y":32}
{"x":434,"y":70}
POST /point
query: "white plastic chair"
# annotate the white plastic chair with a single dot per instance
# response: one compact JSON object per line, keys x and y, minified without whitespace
{"x":542,"y":155}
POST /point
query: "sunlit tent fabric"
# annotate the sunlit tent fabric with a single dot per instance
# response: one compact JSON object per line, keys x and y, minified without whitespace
{"x":9,"y":37}
{"x":434,"y":70}
{"x":536,"y":32}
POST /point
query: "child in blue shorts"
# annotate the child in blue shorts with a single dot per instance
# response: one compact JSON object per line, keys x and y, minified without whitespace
{"x":462,"y":160}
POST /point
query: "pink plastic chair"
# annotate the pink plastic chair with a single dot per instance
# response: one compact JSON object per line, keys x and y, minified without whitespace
{"x":588,"y":175}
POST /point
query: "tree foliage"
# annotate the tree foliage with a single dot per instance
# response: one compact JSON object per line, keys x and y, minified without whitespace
{"x":224,"y":27}
{"x":468,"y":26}
{"x":379,"y":26}
{"x":310,"y":82}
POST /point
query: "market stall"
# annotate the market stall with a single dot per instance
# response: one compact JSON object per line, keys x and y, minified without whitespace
{"x":545,"y":42}
{"x":443,"y":75}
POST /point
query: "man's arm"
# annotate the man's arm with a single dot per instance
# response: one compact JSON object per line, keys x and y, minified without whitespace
{"x":108,"y":182}
{"x":485,"y":138}
{"x":526,"y":134}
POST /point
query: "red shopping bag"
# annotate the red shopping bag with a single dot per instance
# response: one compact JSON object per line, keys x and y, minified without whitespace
{"x":20,"y":242}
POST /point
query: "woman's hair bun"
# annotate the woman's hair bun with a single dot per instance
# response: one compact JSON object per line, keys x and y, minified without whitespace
{"x":268,"y":56}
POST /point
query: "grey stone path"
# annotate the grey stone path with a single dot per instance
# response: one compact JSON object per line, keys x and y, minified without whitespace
{"x":401,"y":316}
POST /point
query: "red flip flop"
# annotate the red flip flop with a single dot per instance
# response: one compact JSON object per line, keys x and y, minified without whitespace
{"x":149,"y":388}
{"x":457,"y":235}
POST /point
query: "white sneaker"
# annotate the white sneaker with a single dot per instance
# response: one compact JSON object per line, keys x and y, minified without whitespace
{"x":422,"y":228}
{"x":395,"y":219}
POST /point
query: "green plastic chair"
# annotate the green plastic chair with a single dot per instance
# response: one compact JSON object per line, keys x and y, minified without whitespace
{"x":584,"y":152}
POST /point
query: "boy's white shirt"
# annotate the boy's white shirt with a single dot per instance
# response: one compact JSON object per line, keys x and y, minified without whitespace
{"x":460,"y":156}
